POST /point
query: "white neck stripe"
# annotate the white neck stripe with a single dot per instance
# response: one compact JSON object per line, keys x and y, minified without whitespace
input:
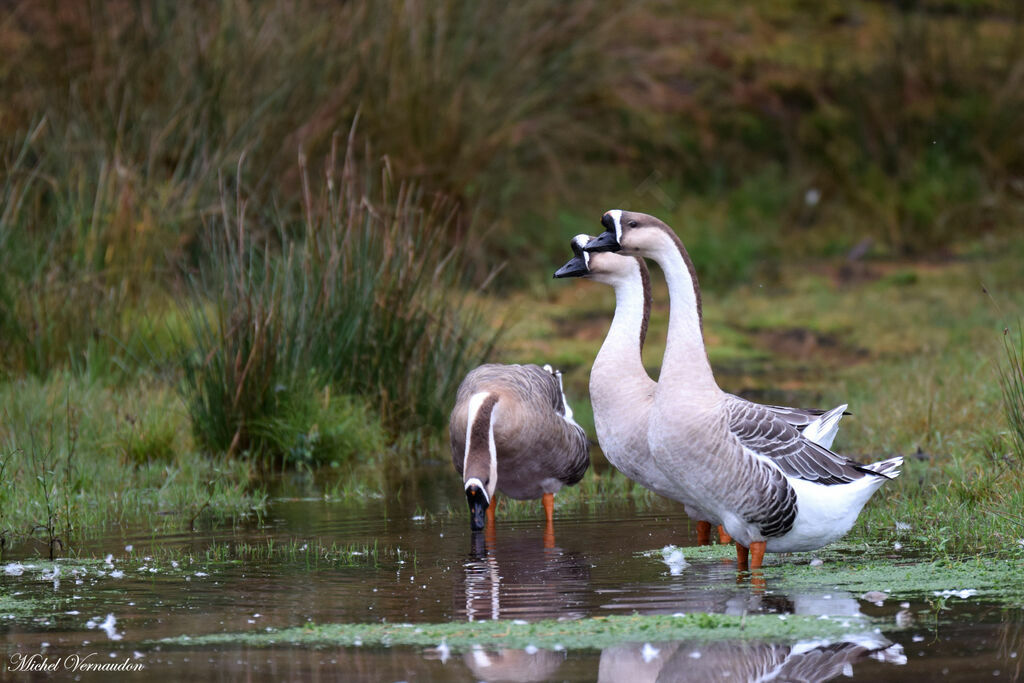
{"x":475,"y":401}
{"x":473,"y":481}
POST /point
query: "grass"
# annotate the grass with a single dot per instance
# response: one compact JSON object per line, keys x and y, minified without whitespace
{"x":313,"y":553}
{"x":80,"y":459}
{"x":1011,"y":380}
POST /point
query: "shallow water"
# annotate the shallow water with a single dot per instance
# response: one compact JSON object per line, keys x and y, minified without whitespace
{"x":433,"y":569}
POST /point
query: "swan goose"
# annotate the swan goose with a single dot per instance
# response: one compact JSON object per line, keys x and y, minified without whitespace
{"x":736,"y":461}
{"x":512,"y":430}
{"x":621,"y":391}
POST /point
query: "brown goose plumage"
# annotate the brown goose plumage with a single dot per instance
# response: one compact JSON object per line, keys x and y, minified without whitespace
{"x":538,"y":448}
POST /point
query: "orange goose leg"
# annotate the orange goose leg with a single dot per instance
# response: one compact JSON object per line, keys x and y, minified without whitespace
{"x":490,"y":510}
{"x":741,"y":558}
{"x":549,"y":514}
{"x":489,"y":529}
{"x":703,"y":533}
{"x":757,"y":554}
{"x":723,"y":536}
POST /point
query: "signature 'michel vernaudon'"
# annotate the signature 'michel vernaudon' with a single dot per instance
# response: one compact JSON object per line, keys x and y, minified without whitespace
{"x":72,"y":662}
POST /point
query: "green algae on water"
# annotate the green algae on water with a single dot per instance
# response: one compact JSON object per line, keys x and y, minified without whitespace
{"x":590,"y":633}
{"x":991,"y":579}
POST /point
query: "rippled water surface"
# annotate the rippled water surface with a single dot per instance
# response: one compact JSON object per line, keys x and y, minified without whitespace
{"x":431,"y":568}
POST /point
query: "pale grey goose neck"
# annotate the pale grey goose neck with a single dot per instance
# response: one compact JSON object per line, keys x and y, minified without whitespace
{"x":770,"y":486}
{"x":621,"y":391}
{"x":512,"y":430}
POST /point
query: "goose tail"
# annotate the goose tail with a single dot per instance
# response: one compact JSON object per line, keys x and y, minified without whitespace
{"x":890,"y":469}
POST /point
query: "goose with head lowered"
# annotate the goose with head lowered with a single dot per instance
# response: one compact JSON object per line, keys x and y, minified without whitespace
{"x":740,"y":463}
{"x":512,"y":430}
{"x":622,"y":393}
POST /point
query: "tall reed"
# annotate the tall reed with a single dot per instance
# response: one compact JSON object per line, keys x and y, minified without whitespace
{"x":1011,"y":380}
{"x":360,"y":298}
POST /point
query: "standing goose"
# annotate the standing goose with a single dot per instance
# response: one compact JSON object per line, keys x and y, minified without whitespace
{"x":512,"y":430}
{"x":622,"y":393}
{"x":771,"y":488}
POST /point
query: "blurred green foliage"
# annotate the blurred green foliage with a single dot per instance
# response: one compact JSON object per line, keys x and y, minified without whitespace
{"x":760,"y":131}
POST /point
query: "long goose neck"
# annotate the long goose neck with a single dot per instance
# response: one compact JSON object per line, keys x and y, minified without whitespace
{"x":685,"y":365}
{"x":620,"y":353}
{"x":480,"y":464}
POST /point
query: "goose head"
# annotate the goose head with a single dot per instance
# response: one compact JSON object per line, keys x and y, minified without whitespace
{"x":478,"y":504}
{"x":607,"y":267}
{"x":579,"y":264}
{"x":629,"y":232}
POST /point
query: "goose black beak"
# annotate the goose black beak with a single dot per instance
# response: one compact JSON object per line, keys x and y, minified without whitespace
{"x":477,"y":500}
{"x":606,"y":241}
{"x":574,"y":267}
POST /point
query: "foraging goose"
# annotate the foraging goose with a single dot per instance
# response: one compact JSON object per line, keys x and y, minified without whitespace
{"x":512,"y":430}
{"x":772,"y":488}
{"x":622,"y":393}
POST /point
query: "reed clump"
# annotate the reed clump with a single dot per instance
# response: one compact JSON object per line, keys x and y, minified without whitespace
{"x":356,"y":300}
{"x":1011,"y":381}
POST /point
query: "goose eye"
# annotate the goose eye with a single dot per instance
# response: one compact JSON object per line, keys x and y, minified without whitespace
{"x":632,"y":224}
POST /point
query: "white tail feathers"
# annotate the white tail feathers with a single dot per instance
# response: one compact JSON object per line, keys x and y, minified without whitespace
{"x":823,"y":430}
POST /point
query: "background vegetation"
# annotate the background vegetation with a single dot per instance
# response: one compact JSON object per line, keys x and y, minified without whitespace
{"x":256,"y":234}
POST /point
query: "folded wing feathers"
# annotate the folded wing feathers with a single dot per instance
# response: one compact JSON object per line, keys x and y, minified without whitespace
{"x":768,"y":434}
{"x":798,"y":417}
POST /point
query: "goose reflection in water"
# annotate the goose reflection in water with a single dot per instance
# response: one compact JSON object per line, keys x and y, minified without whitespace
{"x":735,"y":662}
{"x":521,"y":666}
{"x":744,"y":661}
{"x":520,"y":577}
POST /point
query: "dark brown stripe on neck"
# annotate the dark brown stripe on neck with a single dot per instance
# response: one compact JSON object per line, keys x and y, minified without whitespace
{"x":479,"y":435}
{"x":645,"y":279}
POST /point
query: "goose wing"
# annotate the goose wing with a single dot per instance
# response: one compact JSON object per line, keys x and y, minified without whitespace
{"x":766,"y":433}
{"x":569,"y":440}
{"x":798,"y":417}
